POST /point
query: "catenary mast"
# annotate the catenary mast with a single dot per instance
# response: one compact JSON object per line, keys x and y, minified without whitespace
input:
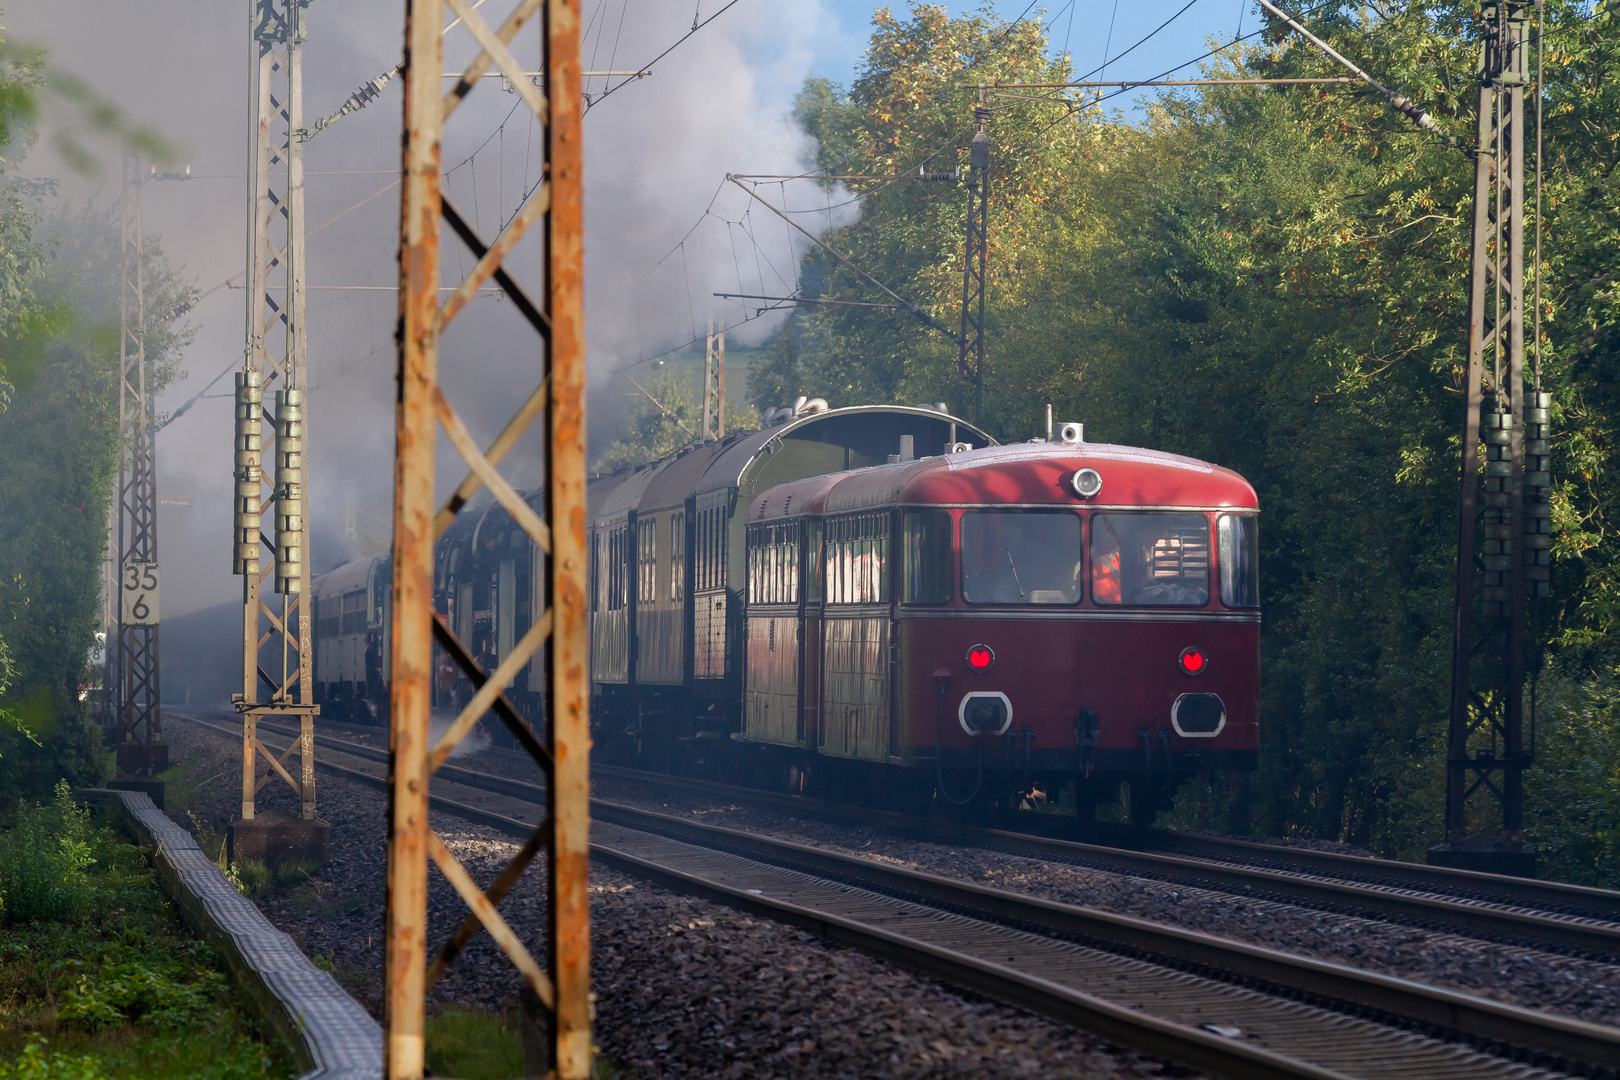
{"x":277,"y":652}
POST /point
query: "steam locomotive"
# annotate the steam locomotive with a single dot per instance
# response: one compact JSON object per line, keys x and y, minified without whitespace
{"x":877,"y":599}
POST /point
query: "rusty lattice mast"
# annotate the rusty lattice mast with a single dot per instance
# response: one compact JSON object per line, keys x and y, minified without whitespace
{"x":558,"y":638}
{"x":133,"y":650}
{"x":277,"y":675}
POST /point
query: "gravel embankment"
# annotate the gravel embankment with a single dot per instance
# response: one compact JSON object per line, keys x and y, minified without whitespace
{"x":685,"y":987}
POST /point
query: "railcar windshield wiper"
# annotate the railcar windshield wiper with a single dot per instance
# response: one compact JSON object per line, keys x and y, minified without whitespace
{"x":1014,"y":566}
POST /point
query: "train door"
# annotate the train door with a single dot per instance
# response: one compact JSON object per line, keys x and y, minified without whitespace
{"x":810,"y":594}
{"x":709,"y":588}
{"x":855,"y":711}
{"x":896,"y":716}
{"x":771,"y":633}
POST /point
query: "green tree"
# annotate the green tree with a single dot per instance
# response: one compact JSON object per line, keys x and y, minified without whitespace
{"x":1274,"y":280}
{"x":54,"y":551}
{"x":912,"y":105}
{"x":666,"y":413}
{"x":59,"y":341}
{"x":20,"y":257}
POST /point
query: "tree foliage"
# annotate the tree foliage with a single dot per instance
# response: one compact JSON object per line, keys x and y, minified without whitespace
{"x":1274,"y":280}
{"x":59,"y":357}
{"x":664,"y":415}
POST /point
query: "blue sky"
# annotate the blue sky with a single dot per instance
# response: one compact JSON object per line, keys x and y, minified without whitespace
{"x":1084,"y":25}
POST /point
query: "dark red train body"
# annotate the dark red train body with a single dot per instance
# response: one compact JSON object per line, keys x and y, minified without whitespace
{"x":974,"y":613}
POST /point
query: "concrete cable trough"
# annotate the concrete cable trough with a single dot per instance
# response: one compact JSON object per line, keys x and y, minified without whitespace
{"x":330,"y":1035}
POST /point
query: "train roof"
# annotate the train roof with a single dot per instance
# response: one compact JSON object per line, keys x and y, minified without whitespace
{"x":599,"y":488}
{"x":627,"y":496}
{"x":801,"y":497}
{"x":1024,"y":473}
{"x":672,"y":485}
{"x":732,"y":467}
{"x":811,"y":444}
{"x":351,"y":575}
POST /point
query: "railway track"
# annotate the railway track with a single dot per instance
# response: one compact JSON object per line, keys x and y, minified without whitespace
{"x":1550,"y":916}
{"x":1209,"y":1003}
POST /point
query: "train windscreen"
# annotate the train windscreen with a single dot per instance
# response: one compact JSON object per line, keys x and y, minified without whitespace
{"x":1150,"y":560}
{"x":1021,"y":557}
{"x":1240,"y":573}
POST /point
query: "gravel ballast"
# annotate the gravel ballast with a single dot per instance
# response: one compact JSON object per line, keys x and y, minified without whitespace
{"x":685,"y":987}
{"x":1571,"y":986}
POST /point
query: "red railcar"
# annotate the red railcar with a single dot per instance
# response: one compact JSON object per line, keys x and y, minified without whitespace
{"x":985,"y":623}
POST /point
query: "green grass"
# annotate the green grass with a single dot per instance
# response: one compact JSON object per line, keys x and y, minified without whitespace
{"x":471,"y":1044}
{"x":104,"y":980}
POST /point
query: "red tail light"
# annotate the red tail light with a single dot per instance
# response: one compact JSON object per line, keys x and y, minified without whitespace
{"x":1193,"y":660}
{"x":980,"y":658}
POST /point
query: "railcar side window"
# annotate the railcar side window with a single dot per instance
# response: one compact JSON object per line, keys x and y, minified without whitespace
{"x":618,"y":568}
{"x":354,"y":612}
{"x":1239,"y":537}
{"x":596,"y":571}
{"x":1150,"y":560}
{"x":773,"y":564}
{"x":646,"y":561}
{"x":1018,"y":557}
{"x":857,"y":559}
{"x":813,"y":561}
{"x":711,"y":548}
{"x":677,"y":555}
{"x":928,"y":557}
{"x":327,"y":617}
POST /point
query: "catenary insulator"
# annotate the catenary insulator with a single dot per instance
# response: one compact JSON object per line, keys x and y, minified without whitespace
{"x":249,"y":471}
{"x":289,"y":491}
{"x":1537,"y":527}
{"x":1496,"y":471}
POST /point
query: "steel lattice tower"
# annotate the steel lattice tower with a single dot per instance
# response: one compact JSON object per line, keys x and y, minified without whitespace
{"x":970,"y":349}
{"x":714,"y":383}
{"x":1504,"y":519}
{"x":556,"y":987}
{"x":134,"y":652}
{"x":276,"y":664}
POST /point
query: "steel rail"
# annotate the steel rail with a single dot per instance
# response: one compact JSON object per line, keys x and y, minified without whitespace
{"x":1037,"y":830}
{"x":1488,"y":917}
{"x":666,"y":848}
{"x":1052,"y":835}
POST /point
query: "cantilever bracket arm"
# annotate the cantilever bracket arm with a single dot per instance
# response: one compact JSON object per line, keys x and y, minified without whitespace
{"x":907,"y":304}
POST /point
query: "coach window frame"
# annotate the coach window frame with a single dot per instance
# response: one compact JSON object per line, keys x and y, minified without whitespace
{"x":1210,"y":584}
{"x":677,"y":556}
{"x":856,"y":557}
{"x":811,"y":554}
{"x":771,"y":556}
{"x":353,"y":612}
{"x":646,"y":561}
{"x":950,"y":570}
{"x":1082,"y":581}
{"x":1249,"y":543}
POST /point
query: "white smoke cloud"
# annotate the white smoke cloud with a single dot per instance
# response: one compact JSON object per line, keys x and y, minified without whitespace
{"x":657,"y":150}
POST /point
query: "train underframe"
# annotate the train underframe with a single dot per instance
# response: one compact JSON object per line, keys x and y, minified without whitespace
{"x":675,"y":730}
